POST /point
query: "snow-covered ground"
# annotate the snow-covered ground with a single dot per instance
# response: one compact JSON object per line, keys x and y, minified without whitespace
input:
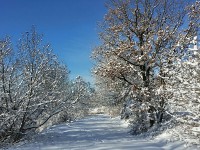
{"x":96,"y":132}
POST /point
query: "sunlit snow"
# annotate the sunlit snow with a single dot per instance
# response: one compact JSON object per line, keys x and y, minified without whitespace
{"x":96,"y":132}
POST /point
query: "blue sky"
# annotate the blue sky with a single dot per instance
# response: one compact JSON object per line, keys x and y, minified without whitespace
{"x":69,"y":25}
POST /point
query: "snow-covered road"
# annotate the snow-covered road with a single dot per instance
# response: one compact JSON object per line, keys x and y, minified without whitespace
{"x":98,"y":132}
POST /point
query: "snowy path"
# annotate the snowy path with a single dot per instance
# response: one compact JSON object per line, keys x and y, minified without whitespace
{"x":99,"y":132}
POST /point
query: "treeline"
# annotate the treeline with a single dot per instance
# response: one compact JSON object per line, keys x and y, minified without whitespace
{"x":148,"y":63}
{"x":35,"y":89}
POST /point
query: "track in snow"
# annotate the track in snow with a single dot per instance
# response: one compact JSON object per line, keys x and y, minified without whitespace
{"x":98,"y":132}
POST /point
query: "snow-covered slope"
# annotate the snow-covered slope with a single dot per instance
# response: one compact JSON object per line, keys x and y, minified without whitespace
{"x":97,"y":132}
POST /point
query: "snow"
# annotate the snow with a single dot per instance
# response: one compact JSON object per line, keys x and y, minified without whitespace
{"x":96,"y":132}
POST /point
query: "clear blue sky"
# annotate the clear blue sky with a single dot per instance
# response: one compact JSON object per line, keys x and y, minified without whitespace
{"x":69,"y":25}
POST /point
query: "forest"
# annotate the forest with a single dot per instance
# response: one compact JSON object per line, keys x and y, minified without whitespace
{"x":146,"y":69}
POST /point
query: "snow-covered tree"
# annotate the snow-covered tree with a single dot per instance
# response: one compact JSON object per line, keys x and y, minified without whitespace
{"x":6,"y":71}
{"x":82,"y":92}
{"x":8,"y":77}
{"x":80,"y":100}
{"x":40,"y":94}
{"x":139,"y":38}
{"x":33,"y":86}
{"x":184,"y":85}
